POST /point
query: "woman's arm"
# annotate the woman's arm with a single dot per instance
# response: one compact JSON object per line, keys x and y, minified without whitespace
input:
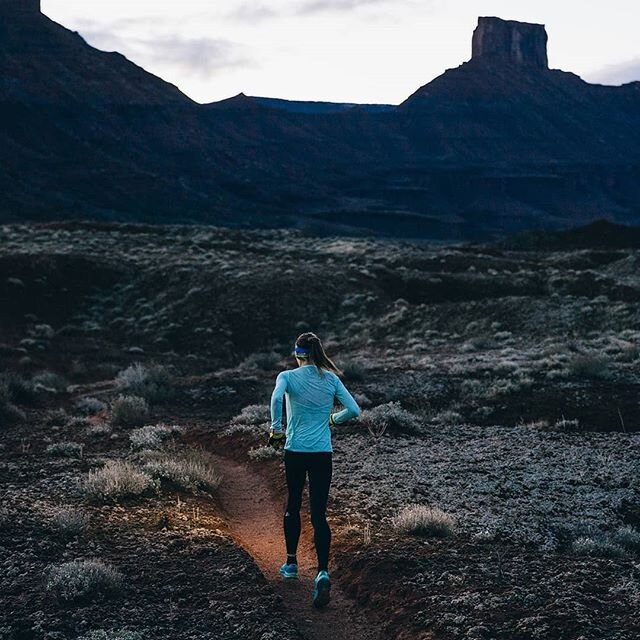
{"x":276,"y":402}
{"x":351,"y":408}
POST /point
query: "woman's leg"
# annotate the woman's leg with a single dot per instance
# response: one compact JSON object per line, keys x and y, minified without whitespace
{"x":295,"y":472}
{"x":320,"y":469}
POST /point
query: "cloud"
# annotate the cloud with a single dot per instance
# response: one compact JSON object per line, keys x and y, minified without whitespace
{"x":200,"y":56}
{"x":318,"y":6}
{"x":252,"y":12}
{"x":615,"y":74}
{"x":256,"y":12}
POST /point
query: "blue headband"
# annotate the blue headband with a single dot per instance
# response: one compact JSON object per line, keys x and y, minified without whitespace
{"x":301,"y":351}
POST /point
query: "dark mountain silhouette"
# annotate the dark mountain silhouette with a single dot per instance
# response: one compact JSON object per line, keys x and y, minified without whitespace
{"x":43,"y":62}
{"x":500,"y":144}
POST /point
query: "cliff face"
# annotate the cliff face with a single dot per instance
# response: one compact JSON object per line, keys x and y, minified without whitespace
{"x":510,"y":42}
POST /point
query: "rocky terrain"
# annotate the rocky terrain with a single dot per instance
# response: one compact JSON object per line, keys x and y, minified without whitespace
{"x":489,"y":489}
{"x":500,"y":144}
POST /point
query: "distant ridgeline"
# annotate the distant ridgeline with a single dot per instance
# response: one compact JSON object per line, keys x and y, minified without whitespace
{"x":499,"y":144}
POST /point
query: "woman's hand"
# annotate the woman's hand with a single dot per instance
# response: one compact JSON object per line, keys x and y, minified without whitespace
{"x":276,"y":439}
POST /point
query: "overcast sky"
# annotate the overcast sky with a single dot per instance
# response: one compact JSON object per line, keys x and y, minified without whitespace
{"x":340,"y":50}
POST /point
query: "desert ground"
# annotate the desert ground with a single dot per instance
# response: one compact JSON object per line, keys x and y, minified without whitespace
{"x":489,"y":490}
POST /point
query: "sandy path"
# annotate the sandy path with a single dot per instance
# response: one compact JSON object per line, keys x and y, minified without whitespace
{"x":255,"y":518}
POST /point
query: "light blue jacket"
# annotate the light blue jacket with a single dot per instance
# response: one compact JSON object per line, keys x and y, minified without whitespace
{"x":310,"y":394}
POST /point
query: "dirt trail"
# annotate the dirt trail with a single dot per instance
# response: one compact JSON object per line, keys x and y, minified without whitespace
{"x":255,"y":518}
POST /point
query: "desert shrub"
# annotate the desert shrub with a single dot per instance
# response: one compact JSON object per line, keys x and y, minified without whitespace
{"x":151,"y":382}
{"x":65,"y":450}
{"x":542,"y":425}
{"x":100,"y":430}
{"x":237,"y":428}
{"x":420,"y":520}
{"x":628,"y":538}
{"x":389,"y":417}
{"x":189,"y":469}
{"x":56,"y":418}
{"x":447,"y":418}
{"x":153,"y":436}
{"x":353,"y":371}
{"x":83,"y":580}
{"x":565,"y":425}
{"x":8,"y":411}
{"x":43,"y":331}
{"x":589,"y":365}
{"x":78,"y":422}
{"x":596,"y":546}
{"x":629,"y":353}
{"x":264,"y":453}
{"x":473,"y":391}
{"x":362,"y":399}
{"x":112,"y":634}
{"x":129,"y":411}
{"x":90,"y":406}
{"x":70,"y":522}
{"x":253,"y":414}
{"x":49,"y":381}
{"x":19,"y":389}
{"x":117,"y":480}
{"x":265,"y":361}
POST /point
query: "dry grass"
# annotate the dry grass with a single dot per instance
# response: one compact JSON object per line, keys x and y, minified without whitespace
{"x":151,"y":382}
{"x":424,"y":521}
{"x":129,"y":411}
{"x":265,"y":452}
{"x":69,"y":522}
{"x":65,"y":450}
{"x":117,"y":480}
{"x":389,"y":417}
{"x":597,"y":546}
{"x":189,"y":469}
{"x":254,"y":414}
{"x":153,"y":436}
{"x":83,"y":580}
{"x":90,"y":406}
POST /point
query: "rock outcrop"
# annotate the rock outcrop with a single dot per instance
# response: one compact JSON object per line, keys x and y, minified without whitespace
{"x":509,"y":41}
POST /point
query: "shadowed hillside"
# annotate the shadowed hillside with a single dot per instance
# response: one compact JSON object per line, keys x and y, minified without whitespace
{"x":500,"y":144}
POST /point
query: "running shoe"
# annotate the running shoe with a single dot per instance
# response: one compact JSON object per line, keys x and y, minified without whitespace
{"x":321,"y":590}
{"x":289,"y":571}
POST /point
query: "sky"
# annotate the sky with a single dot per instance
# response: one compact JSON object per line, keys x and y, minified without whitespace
{"x":365,"y":51}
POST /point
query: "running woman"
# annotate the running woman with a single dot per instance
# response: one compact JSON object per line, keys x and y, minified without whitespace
{"x":310,"y":392}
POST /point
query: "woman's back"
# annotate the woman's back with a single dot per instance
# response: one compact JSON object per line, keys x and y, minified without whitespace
{"x":310,"y":394}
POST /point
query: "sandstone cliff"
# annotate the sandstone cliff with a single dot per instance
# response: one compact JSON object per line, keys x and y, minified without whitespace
{"x":509,"y":41}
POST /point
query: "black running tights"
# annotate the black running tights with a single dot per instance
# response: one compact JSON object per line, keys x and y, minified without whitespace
{"x":319,"y":467}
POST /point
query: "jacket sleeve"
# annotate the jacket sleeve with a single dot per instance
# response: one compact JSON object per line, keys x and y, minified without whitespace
{"x":351,"y":408}
{"x":276,"y":401}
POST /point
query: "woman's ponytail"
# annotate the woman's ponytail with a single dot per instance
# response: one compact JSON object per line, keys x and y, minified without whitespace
{"x":317,"y":353}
